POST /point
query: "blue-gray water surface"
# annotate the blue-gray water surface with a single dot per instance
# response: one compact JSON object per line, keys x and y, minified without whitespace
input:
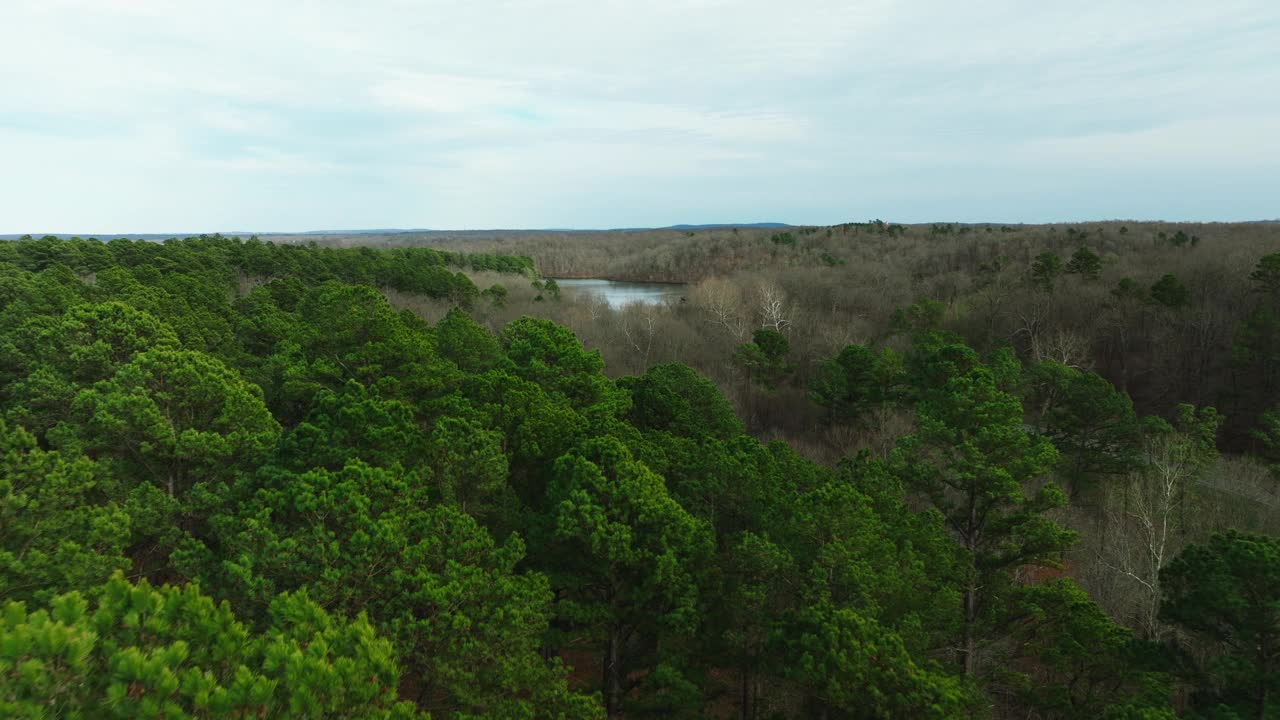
{"x":620,"y":294}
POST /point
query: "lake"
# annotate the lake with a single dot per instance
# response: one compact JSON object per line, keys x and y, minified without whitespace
{"x":619,"y":294}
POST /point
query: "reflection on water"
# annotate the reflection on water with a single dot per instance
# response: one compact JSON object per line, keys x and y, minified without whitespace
{"x":620,"y":294}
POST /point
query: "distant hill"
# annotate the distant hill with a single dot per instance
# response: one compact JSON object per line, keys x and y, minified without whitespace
{"x":110,"y":236}
{"x":224,"y":233}
{"x":378,"y":231}
{"x":398,"y":231}
{"x":367,"y":231}
{"x":714,"y":226}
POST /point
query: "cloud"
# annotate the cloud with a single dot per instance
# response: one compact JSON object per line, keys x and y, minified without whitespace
{"x":296,"y":115}
{"x":269,"y":160}
{"x":438,"y":93}
{"x":1203,"y":144}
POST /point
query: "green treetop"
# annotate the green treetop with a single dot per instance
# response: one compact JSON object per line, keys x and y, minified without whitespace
{"x":975,"y":462}
{"x":1226,"y":594}
{"x":765,"y":357}
{"x":57,"y":532}
{"x":143,"y":652}
{"x":627,"y":555}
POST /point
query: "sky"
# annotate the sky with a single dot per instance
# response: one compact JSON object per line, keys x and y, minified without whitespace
{"x":143,"y":116}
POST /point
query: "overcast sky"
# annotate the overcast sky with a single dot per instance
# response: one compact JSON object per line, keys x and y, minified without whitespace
{"x":261,"y":115}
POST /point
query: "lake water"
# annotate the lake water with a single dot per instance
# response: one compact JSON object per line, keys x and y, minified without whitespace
{"x":620,"y":294}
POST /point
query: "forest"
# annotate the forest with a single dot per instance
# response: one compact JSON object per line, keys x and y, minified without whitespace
{"x":859,"y":471}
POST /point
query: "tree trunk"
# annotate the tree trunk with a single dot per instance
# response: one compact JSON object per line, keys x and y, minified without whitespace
{"x":612,"y":683}
{"x":1264,"y":658}
{"x":968,"y":649}
{"x":748,"y":695}
{"x":967,"y":642}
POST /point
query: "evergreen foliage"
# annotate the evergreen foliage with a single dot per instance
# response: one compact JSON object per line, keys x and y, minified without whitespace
{"x":326,"y":507}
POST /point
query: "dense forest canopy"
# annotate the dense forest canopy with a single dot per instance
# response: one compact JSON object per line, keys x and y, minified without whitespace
{"x":1168,"y":313}
{"x":260,"y":479}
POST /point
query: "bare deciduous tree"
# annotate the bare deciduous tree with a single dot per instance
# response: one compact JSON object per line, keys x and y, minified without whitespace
{"x":1147,"y":518}
{"x":639,"y":324}
{"x":1066,"y":347}
{"x":722,"y":300}
{"x":595,"y":303}
{"x":775,"y":308}
{"x":1032,"y":317}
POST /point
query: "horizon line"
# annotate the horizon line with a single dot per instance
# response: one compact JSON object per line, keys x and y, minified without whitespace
{"x":677,"y":226}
